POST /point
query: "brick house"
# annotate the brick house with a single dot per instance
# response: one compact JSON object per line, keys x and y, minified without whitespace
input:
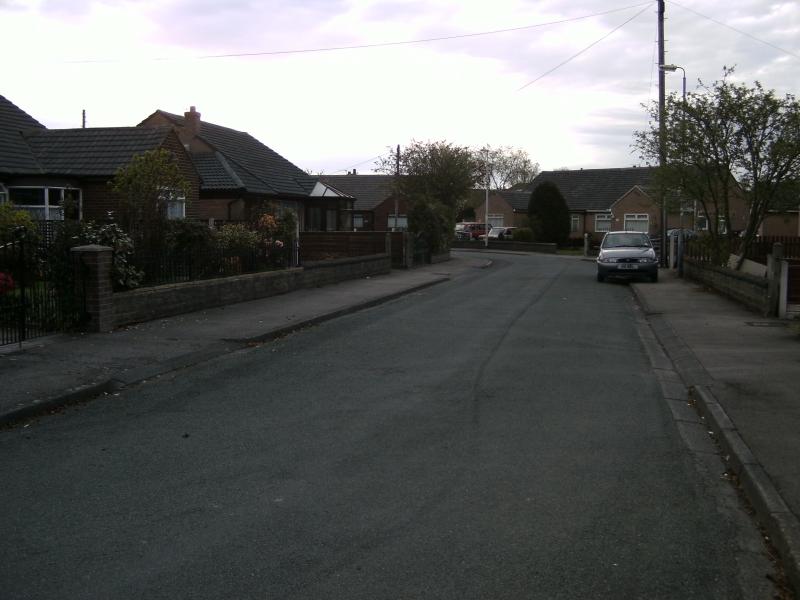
{"x":374,"y":201}
{"x":601,"y":200}
{"x":239,"y":174}
{"x":64,"y":173}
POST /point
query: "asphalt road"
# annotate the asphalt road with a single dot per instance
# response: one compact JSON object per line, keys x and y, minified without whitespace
{"x":498,"y":436}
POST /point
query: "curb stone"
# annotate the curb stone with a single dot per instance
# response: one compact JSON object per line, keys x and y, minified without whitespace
{"x":782,"y":526}
{"x":40,"y":407}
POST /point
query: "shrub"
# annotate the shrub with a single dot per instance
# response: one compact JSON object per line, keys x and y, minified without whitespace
{"x":235,"y":238}
{"x":12,"y":219}
{"x":522,"y":234}
{"x":188,"y":237}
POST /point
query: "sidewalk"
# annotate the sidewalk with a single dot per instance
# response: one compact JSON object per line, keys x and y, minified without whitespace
{"x":743,"y":371}
{"x":51,"y":372}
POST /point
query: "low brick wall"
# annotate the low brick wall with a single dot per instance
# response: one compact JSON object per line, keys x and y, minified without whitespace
{"x":146,"y":304}
{"x":749,"y":290}
{"x":514,"y":246}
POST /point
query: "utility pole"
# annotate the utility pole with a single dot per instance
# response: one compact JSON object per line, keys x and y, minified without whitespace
{"x":662,"y":146}
{"x":83,"y":118}
{"x":397,"y":176}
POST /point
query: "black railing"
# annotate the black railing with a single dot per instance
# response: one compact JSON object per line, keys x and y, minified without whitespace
{"x":179,"y":266}
{"x":41,"y":289}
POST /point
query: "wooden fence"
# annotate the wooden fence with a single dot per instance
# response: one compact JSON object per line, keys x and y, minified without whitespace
{"x":699,"y":249}
{"x":327,"y":245}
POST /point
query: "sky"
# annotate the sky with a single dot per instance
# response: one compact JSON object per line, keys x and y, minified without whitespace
{"x":564,"y":81}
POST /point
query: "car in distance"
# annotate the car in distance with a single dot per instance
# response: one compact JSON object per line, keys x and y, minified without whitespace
{"x":627,"y":254}
{"x":498,"y":233}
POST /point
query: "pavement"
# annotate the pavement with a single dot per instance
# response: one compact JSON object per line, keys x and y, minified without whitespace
{"x":741,"y":371}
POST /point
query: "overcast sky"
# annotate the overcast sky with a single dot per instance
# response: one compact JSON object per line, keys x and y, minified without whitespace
{"x":334,"y":110}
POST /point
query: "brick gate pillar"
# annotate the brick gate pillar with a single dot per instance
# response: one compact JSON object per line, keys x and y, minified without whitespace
{"x":97,"y":285}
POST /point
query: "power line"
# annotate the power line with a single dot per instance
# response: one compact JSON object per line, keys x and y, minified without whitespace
{"x":375,"y":45}
{"x":577,"y":54}
{"x":739,"y":31}
{"x":362,"y":162}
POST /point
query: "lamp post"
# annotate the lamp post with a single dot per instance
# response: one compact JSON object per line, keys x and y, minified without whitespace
{"x":672,"y":69}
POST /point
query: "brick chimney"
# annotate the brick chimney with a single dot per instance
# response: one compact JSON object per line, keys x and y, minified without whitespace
{"x":192,"y":122}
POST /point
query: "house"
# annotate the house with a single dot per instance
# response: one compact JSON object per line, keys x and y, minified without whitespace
{"x":601,"y":200}
{"x":64,"y":173}
{"x":374,"y":201}
{"x":507,"y":208}
{"x":240,"y":175}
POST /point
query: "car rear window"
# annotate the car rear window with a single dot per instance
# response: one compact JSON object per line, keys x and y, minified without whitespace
{"x":626,"y":240}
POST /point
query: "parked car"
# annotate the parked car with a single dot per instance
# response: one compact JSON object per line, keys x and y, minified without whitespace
{"x":470,"y":231}
{"x":498,"y":233}
{"x":626,"y":254}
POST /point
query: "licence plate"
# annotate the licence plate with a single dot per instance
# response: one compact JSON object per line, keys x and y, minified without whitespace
{"x":627,"y":266}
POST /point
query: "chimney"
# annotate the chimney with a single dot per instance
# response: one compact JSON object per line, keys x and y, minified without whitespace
{"x":192,"y":121}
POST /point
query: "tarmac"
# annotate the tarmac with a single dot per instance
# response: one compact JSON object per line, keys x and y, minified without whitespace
{"x":740,"y":371}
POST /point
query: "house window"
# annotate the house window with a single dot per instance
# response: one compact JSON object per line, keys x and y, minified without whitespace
{"x":3,"y":194}
{"x":722,"y":226}
{"x":399,"y":222}
{"x":358,"y":221}
{"x":176,"y":203}
{"x":495,"y":220}
{"x":701,"y":223}
{"x":330,"y":219}
{"x":602,"y":223}
{"x":574,"y":223}
{"x":637,"y":222}
{"x":46,"y":203}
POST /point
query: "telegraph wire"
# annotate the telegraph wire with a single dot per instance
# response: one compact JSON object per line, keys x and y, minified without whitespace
{"x":739,"y":31}
{"x":368,"y":46}
{"x":577,"y":54}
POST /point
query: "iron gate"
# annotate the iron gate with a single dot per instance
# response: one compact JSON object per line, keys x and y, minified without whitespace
{"x":41,"y":289}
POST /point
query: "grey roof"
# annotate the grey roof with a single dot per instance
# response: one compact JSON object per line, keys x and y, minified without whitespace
{"x":96,"y":151}
{"x":595,"y":189}
{"x":256,"y":167}
{"x":517,"y":199}
{"x":15,"y":155}
{"x":368,"y":190}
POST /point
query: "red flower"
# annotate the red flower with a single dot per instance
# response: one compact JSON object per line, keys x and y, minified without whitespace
{"x":6,"y":283}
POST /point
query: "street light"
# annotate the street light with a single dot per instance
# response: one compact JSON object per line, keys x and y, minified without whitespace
{"x":668,"y":69}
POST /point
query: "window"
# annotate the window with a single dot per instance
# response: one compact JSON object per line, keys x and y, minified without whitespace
{"x":397,"y":222}
{"x":637,"y":222}
{"x":358,"y":221}
{"x":176,"y":204}
{"x":495,"y":220}
{"x":722,"y":226}
{"x":3,"y":194}
{"x":602,"y":222}
{"x":45,"y":203}
{"x":574,"y":223}
{"x":330,"y":219}
{"x":701,"y":223}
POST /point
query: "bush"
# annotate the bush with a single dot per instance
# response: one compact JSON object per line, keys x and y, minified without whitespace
{"x":11,"y":219}
{"x":188,"y":237}
{"x":71,"y":234}
{"x":235,"y":238}
{"x":522,"y":234}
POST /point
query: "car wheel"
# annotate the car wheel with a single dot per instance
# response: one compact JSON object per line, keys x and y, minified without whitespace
{"x":601,"y":278}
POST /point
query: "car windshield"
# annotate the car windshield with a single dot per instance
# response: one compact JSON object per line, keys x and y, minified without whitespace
{"x":626,"y":240}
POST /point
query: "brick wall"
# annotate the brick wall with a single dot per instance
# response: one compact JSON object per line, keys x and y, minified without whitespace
{"x":146,"y":304}
{"x":497,"y":206}
{"x":749,"y":290}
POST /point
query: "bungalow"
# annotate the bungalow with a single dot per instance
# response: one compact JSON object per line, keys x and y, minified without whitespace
{"x":601,"y":200}
{"x":239,"y":175}
{"x":64,"y":173}
{"x":374,"y":201}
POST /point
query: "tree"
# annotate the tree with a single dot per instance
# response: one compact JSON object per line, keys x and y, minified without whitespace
{"x":549,"y":214}
{"x":508,"y":166}
{"x":728,"y":139}
{"x":435,"y":179}
{"x":146,"y":186}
